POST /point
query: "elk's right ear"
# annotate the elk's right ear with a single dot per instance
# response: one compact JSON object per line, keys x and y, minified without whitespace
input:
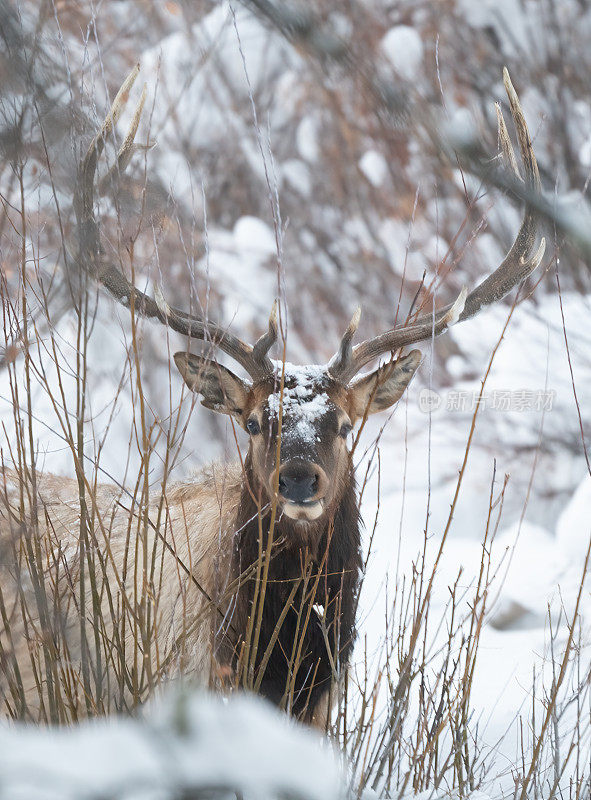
{"x":220,"y":389}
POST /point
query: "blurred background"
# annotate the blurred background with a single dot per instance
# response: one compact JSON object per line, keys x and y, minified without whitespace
{"x":307,"y":131}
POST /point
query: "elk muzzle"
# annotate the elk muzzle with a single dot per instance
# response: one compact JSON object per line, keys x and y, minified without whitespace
{"x":302,"y":487}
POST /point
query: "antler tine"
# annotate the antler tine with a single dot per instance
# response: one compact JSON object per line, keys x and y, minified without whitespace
{"x":92,"y":258}
{"x":517,"y":265}
{"x":128,"y":147}
{"x":505,"y":143}
{"x":343,"y":355}
{"x":266,"y":341}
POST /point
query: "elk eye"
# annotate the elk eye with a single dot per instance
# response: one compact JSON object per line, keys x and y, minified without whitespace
{"x":253,"y":427}
{"x":345,"y":430}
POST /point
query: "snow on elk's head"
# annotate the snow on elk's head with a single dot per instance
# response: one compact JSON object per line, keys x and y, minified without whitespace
{"x":299,"y":419}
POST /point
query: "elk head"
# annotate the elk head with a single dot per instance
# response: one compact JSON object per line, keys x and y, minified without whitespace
{"x":299,"y":418}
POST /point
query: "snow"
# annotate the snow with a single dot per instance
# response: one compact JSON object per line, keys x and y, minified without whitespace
{"x":307,"y":139}
{"x":403,"y":48}
{"x":297,"y":175}
{"x":253,"y":235}
{"x":403,"y":247}
{"x":183,"y":745}
{"x":302,"y":374}
{"x":195,"y":104}
{"x":248,"y":274}
{"x":530,"y":581}
{"x":304,"y":400}
{"x":585,"y":153}
{"x":374,"y":166}
{"x":574,"y":526}
{"x":461,"y":132}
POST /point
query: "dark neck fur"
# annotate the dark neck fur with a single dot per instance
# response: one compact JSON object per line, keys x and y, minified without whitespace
{"x":331,"y":548}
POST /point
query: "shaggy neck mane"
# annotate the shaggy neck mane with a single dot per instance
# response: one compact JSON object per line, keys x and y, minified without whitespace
{"x":324,"y":557}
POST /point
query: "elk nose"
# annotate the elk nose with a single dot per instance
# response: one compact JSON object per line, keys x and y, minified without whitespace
{"x":298,"y":482}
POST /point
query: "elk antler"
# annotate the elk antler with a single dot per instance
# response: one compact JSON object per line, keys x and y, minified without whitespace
{"x":518,"y":264}
{"x":92,"y":257}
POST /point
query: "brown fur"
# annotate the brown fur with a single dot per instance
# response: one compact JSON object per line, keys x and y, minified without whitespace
{"x":198,"y":524}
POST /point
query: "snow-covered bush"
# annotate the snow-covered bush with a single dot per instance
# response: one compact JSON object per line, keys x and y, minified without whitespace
{"x":184,"y":746}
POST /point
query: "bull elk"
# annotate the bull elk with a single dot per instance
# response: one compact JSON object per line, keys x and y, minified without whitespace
{"x":248,"y":574}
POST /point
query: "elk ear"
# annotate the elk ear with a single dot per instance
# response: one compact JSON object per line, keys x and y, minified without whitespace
{"x":382,"y":388}
{"x":220,"y":389}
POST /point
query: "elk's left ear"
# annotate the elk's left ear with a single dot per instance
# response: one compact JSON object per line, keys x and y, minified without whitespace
{"x":382,"y":388}
{"x":220,"y":389}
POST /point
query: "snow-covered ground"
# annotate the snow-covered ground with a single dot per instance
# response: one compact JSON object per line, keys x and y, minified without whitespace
{"x":544,"y":531}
